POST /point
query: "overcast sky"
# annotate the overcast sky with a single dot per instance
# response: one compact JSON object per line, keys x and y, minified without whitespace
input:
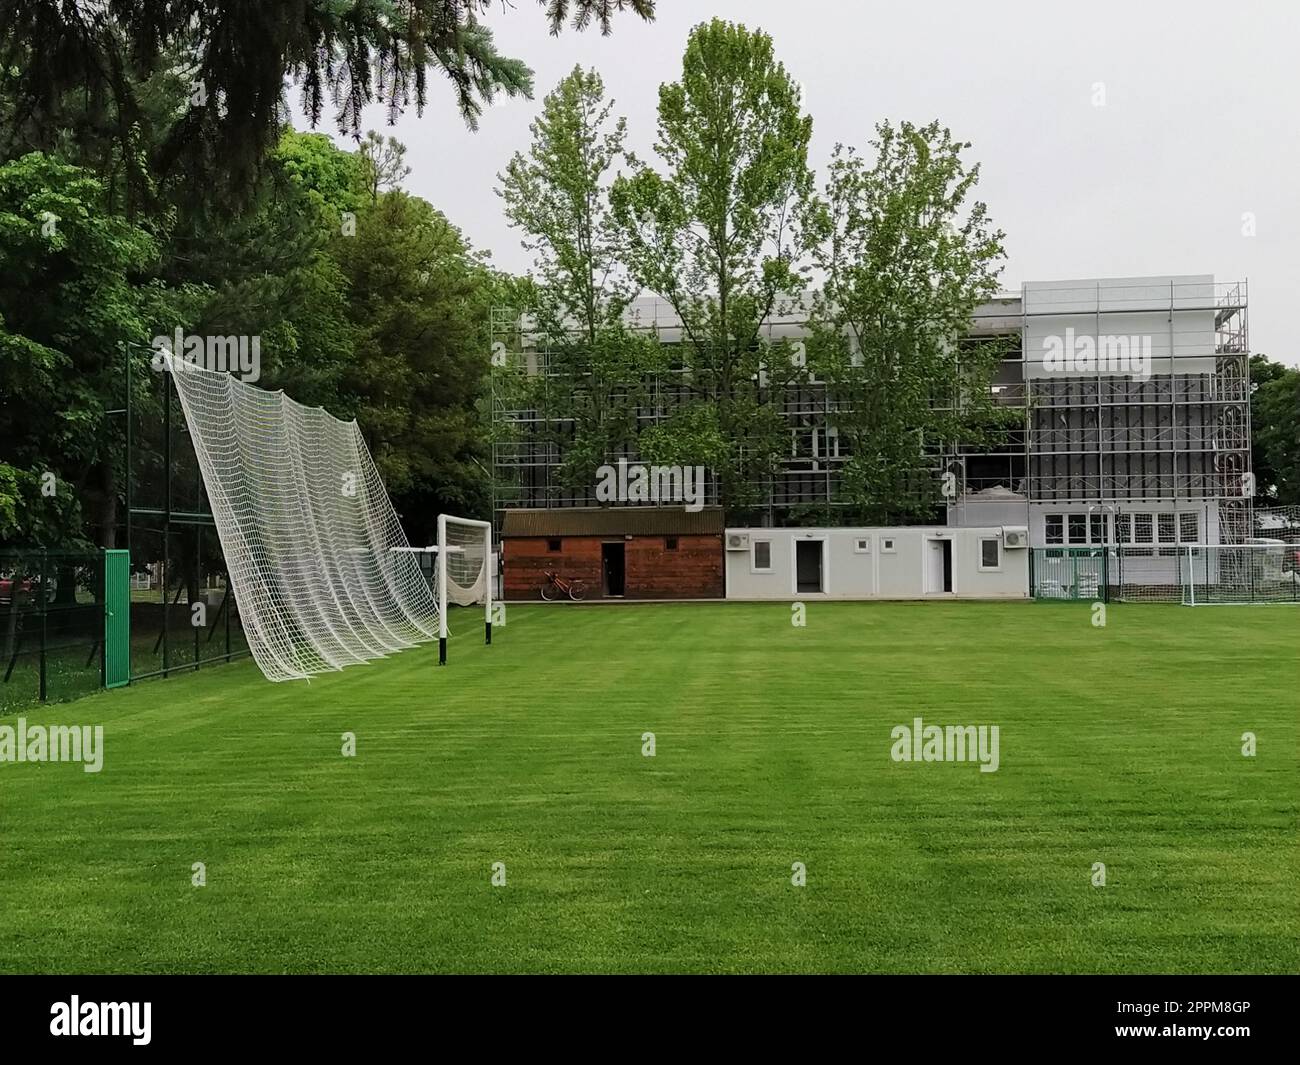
{"x":1200,"y":124}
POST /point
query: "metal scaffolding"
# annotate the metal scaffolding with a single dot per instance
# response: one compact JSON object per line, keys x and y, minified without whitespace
{"x":1098,"y":438}
{"x":1181,"y":435}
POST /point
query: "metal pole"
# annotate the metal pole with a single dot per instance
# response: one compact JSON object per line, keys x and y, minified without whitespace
{"x":229,"y":608}
{"x":126,"y":348}
{"x":102,"y":583}
{"x":1119,"y":554}
{"x":198,"y":590}
{"x":45,"y":609}
{"x":1173,"y":406}
{"x":167,"y":513}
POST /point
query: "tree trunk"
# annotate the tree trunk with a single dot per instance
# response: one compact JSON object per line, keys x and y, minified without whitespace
{"x":107,"y":506}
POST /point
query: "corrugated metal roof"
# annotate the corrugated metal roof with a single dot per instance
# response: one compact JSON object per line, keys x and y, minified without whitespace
{"x":612,"y":521}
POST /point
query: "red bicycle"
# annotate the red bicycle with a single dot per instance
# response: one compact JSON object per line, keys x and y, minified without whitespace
{"x":556,"y":587}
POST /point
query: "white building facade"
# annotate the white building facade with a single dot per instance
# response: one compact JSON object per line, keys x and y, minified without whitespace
{"x":931,"y":562}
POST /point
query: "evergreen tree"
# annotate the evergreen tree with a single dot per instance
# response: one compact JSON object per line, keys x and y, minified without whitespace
{"x":235,"y":56}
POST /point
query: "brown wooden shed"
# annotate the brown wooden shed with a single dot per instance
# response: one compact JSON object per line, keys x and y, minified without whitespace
{"x":619,"y":552}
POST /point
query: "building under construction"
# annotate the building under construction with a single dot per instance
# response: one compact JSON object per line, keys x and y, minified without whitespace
{"x":1129,"y":402}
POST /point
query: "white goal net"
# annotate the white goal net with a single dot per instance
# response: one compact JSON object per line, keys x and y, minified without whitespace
{"x":1241,"y":574}
{"x":321,"y":569}
{"x":468,"y":549}
{"x":464,"y":571}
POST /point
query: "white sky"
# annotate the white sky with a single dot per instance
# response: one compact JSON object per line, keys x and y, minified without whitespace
{"x":1201,"y":122}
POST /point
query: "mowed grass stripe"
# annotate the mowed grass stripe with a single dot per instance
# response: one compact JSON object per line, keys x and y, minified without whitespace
{"x":1118,"y":744}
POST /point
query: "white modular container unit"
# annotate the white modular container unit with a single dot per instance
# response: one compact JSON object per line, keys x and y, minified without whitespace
{"x":896,"y":563}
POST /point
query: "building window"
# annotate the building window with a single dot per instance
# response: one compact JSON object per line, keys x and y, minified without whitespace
{"x":1143,"y":529}
{"x":1097,"y":527}
{"x":990,"y":554}
{"x":803,"y":441}
{"x":887,"y":545}
{"x":1189,"y":528}
{"x":862,"y":545}
{"x":1055,"y":529}
{"x":670,"y":543}
{"x":553,"y":546}
{"x":761,"y":559}
{"x":832,"y":443}
{"x":1165,"y":529}
{"x":1078,"y":528}
{"x":1123,"y":528}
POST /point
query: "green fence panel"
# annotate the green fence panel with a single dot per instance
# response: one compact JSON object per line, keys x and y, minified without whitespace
{"x":117,"y":618}
{"x":1072,"y":573}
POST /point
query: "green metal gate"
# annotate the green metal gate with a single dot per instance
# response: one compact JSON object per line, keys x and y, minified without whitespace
{"x":1070,"y":573}
{"x":117,"y":618}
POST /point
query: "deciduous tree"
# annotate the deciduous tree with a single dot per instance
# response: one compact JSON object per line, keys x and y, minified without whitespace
{"x":715,"y":233}
{"x":907,"y":256}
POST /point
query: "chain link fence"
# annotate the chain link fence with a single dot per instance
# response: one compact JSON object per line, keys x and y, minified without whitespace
{"x":183,"y":609}
{"x":183,"y":615}
{"x":51,"y":626}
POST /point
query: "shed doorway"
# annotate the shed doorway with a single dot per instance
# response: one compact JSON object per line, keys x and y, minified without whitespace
{"x":612,"y":559}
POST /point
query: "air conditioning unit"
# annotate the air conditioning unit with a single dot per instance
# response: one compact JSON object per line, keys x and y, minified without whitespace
{"x":737,"y":541}
{"x":1015,"y":536}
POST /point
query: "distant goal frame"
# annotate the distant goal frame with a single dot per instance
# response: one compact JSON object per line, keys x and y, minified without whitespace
{"x":443,"y":549}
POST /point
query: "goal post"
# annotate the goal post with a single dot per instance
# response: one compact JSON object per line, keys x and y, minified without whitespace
{"x":464,"y":572}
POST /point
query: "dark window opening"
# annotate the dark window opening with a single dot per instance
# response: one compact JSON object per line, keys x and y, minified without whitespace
{"x":670,"y":543}
{"x":553,"y":546}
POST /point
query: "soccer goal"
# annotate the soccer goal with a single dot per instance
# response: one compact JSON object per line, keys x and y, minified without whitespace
{"x":464,"y":572}
{"x":1236,"y":574}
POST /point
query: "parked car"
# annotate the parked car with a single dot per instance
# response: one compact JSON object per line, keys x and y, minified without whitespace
{"x":10,"y":584}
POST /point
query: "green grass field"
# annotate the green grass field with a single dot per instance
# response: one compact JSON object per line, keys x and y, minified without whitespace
{"x":1119,"y":745}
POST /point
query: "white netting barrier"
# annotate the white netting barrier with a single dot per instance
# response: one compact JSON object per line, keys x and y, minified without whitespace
{"x":1155,"y":574}
{"x":320,"y":566}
